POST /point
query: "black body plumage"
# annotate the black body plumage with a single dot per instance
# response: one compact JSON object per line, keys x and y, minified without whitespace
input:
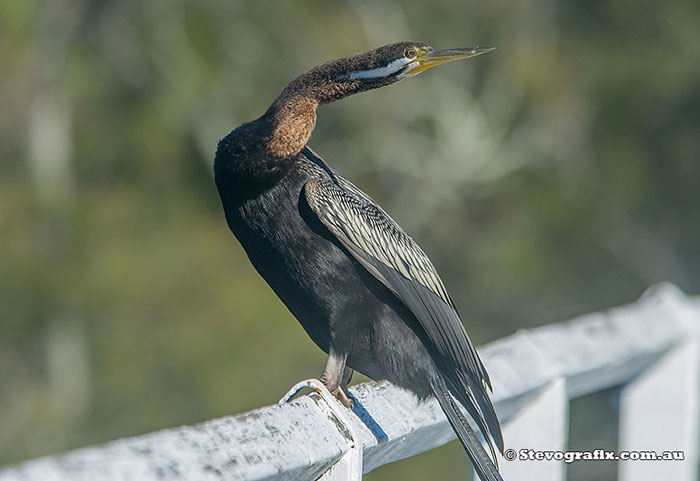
{"x":362,"y":289}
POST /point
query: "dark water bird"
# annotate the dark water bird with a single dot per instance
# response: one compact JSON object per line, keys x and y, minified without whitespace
{"x":362,"y":289}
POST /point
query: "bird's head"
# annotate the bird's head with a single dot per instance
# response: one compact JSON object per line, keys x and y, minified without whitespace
{"x":379,"y":67}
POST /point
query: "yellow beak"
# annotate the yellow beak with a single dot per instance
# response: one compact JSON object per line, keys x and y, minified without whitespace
{"x":430,"y":58}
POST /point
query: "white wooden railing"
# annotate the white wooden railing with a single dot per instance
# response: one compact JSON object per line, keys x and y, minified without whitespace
{"x":650,"y":348}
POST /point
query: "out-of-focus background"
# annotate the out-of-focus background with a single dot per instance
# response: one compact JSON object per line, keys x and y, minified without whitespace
{"x":557,"y":175}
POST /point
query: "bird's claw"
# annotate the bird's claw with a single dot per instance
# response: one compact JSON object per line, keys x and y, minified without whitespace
{"x":338,"y":393}
{"x":343,"y":397}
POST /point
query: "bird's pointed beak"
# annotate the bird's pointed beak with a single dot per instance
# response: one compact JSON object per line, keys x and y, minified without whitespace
{"x":431,"y":58}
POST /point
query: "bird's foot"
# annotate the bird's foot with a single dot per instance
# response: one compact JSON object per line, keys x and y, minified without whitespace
{"x":336,"y":376}
{"x":338,"y":393}
{"x":343,"y":397}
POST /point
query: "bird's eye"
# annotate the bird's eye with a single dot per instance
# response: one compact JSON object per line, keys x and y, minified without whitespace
{"x":410,"y":52}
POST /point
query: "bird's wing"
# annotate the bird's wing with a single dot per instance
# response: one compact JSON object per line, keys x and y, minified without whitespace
{"x":390,"y":254}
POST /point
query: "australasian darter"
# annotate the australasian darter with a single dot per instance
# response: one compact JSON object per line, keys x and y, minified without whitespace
{"x":359,"y":285}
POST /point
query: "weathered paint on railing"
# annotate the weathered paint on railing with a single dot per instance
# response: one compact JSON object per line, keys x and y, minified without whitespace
{"x":643,"y":346}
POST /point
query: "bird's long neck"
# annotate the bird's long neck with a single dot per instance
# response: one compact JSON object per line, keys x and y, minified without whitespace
{"x":258,"y":153}
{"x":290,"y":121}
{"x":292,"y":115}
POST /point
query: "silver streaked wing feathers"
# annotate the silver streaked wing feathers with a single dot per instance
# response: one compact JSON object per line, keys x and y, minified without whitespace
{"x":373,"y":231}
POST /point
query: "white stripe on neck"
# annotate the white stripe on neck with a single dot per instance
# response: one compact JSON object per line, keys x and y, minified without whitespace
{"x":385,"y":71}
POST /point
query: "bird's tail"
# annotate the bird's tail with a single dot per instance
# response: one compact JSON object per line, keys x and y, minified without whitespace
{"x":483,"y":465}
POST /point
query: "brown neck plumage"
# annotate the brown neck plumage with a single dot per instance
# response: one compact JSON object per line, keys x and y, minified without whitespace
{"x":291,"y":121}
{"x":292,"y":115}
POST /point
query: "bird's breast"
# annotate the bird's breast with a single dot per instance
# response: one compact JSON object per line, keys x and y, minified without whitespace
{"x":301,"y":265}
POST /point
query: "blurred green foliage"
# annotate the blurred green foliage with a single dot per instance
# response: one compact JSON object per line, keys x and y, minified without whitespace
{"x":557,"y":175}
